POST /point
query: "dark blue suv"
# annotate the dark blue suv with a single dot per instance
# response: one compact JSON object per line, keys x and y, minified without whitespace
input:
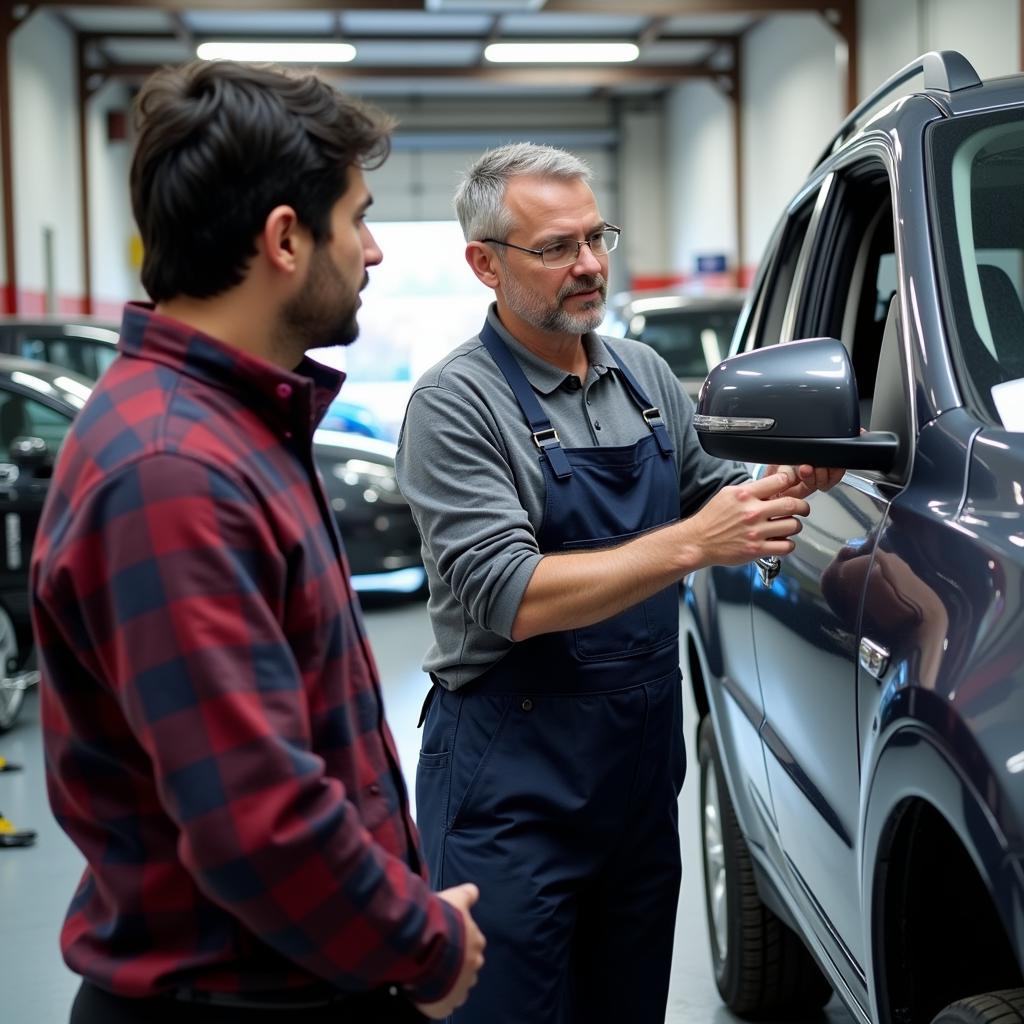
{"x":862,"y":699}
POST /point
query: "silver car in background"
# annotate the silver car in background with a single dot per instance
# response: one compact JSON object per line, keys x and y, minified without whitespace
{"x":691,"y":332}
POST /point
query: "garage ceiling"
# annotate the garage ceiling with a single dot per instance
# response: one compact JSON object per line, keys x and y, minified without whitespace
{"x":435,"y":47}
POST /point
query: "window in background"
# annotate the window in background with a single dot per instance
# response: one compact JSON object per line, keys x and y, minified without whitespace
{"x":421,"y":302}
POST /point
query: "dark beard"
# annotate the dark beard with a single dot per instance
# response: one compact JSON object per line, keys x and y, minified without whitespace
{"x":303,"y":318}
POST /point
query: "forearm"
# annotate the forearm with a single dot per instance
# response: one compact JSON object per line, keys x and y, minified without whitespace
{"x":738,"y":524}
{"x":572,"y":590}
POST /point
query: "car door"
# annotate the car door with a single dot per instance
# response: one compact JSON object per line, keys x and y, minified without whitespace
{"x":23,"y":484}
{"x":805,"y":607}
{"x":741,"y":708}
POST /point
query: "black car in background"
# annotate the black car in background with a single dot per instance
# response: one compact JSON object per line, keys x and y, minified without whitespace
{"x":862,"y":698}
{"x":690,"y":332}
{"x":358,"y":469}
{"x":84,"y":345}
{"x":37,"y":404}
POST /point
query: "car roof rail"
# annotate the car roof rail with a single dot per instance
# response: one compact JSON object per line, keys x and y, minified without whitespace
{"x":945,"y":71}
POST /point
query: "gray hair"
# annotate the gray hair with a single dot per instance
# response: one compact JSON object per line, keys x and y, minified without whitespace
{"x":480,"y":197}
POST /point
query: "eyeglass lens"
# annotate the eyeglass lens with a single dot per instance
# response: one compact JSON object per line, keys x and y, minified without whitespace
{"x":562,"y":254}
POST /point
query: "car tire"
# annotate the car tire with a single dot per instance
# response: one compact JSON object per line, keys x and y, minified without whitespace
{"x":762,"y":968}
{"x":11,"y":693}
{"x":1005,"y":1007}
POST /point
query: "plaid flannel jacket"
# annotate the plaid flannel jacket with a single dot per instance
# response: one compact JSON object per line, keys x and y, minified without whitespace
{"x":213,"y":726}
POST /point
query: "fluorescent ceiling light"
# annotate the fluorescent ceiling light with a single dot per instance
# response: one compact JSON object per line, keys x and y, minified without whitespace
{"x":561,"y":53}
{"x":280,"y":53}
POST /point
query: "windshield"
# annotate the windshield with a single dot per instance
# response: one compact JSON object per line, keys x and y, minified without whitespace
{"x":690,"y":340}
{"x":977,"y":165}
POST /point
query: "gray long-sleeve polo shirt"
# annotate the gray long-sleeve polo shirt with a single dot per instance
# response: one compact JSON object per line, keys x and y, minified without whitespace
{"x":469,"y":468}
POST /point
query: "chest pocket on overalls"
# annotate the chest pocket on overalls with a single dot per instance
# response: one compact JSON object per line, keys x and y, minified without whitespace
{"x":646,"y":626}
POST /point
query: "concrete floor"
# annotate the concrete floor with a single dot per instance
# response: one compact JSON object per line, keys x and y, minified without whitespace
{"x":36,"y":883}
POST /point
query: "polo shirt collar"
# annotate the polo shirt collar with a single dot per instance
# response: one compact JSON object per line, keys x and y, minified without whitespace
{"x":545,"y":378}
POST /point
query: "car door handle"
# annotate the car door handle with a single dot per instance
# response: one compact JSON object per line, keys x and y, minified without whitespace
{"x":769,"y":567}
{"x":874,"y":658}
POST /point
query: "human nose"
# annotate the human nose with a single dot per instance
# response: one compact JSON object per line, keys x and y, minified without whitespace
{"x":372,"y":253}
{"x":586,"y":261}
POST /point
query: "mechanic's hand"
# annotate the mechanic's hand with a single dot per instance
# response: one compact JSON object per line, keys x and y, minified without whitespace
{"x":462,"y":897}
{"x":809,"y":479}
{"x":749,"y":520}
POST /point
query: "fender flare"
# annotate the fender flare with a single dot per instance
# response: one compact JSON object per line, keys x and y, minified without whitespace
{"x":913,"y":763}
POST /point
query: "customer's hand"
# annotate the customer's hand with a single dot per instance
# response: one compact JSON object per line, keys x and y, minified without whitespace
{"x":462,"y":897}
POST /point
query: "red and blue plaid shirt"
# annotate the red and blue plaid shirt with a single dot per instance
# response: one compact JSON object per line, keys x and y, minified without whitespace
{"x":214,"y":732}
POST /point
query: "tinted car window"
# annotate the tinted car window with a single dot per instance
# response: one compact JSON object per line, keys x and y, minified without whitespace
{"x":690,"y":341}
{"x":782,"y":277}
{"x":978,"y":169}
{"x":21,"y":416}
{"x":79,"y":354}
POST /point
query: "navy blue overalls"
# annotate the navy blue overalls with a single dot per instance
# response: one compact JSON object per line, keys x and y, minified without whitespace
{"x":551,"y":780}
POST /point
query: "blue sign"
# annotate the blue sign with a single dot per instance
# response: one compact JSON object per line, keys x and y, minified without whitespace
{"x":713,"y":263}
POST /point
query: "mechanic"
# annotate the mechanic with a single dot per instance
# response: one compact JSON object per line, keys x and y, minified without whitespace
{"x":561,"y":495}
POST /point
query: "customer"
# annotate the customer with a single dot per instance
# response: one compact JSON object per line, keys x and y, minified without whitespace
{"x":562,"y":495}
{"x":215,"y":739}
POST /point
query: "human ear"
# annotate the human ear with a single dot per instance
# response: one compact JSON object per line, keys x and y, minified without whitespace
{"x":482,"y":262}
{"x":284,"y":239}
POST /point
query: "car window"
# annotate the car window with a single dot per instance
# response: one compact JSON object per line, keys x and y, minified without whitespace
{"x":977,"y":167}
{"x":765,"y":327}
{"x":691,"y":341}
{"x":86,"y":357}
{"x":21,"y":416}
{"x":852,"y":278}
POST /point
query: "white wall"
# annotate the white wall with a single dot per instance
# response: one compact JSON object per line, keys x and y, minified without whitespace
{"x":891,"y":33}
{"x":701,"y":195}
{"x":114,"y":279}
{"x":45,"y":147}
{"x":792,"y":104}
{"x":793,"y":99}
{"x":643,"y":252}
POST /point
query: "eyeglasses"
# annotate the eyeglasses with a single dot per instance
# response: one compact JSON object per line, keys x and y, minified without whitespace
{"x":566,"y":252}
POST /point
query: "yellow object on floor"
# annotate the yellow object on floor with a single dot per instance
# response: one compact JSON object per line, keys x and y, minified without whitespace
{"x":11,"y":836}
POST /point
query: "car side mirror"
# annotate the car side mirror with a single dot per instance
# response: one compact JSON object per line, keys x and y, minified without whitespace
{"x":792,"y":403}
{"x":29,"y":452}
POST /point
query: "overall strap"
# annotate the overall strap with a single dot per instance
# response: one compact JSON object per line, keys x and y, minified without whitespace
{"x":651,"y":413}
{"x":545,"y":437}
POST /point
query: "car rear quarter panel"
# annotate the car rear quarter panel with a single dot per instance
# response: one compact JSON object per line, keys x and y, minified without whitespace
{"x":946,"y":723}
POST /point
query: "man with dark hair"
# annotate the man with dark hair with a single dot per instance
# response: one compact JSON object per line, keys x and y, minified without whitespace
{"x":215,"y":738}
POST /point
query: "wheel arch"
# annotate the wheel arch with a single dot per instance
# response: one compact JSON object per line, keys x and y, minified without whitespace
{"x":934,"y":859}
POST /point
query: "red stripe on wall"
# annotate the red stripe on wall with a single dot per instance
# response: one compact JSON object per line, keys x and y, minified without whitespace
{"x":670,"y":282}
{"x":33,"y":303}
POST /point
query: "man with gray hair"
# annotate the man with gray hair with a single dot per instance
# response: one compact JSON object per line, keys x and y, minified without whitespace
{"x":561,"y":495}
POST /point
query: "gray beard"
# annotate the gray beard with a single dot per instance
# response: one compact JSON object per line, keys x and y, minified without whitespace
{"x":555,"y":319}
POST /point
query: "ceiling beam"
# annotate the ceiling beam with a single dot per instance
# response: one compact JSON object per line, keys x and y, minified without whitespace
{"x":567,"y":74}
{"x":640,"y":8}
{"x":355,"y":38}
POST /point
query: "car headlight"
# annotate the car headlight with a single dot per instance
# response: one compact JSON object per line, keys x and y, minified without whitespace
{"x":375,"y":480}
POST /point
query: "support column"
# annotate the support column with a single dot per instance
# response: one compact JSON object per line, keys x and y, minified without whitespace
{"x":84,"y":93}
{"x":9,"y":296}
{"x":731,"y":83}
{"x":842,"y":19}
